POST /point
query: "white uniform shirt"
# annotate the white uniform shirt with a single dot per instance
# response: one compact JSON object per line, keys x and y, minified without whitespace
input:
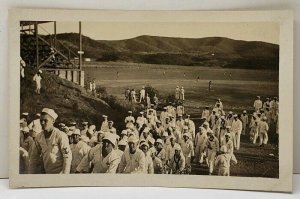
{"x":257,"y":104}
{"x":236,"y":126}
{"x":129,"y":119}
{"x":132,"y":163}
{"x":263,"y":127}
{"x":205,"y":113}
{"x":37,"y":78}
{"x":187,"y":148}
{"x":79,"y":150}
{"x":54,"y":150}
{"x":37,"y":125}
{"x":108,"y":164}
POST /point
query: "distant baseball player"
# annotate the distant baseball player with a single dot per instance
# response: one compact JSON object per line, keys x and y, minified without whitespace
{"x":142,"y":95}
{"x":257,"y":104}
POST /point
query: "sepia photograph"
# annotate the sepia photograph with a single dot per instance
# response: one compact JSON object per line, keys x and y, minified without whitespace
{"x":154,"y":98}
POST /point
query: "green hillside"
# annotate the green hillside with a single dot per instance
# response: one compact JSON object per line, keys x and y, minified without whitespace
{"x":210,"y":51}
{"x":69,"y":100}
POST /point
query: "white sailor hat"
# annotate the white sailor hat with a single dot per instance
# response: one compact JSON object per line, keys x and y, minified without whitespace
{"x":227,"y":134}
{"x":129,"y":111}
{"x":110,"y":122}
{"x":131,"y":133}
{"x":76,"y":132}
{"x":73,"y":124}
{"x":158,"y":121}
{"x":70,"y":133}
{"x":105,"y":116}
{"x":92,"y":127}
{"x":159,"y":141}
{"x":185,"y":128}
{"x":124,"y":132}
{"x":50,"y":112}
{"x":170,"y":115}
{"x":151,"y":104}
{"x":85,"y":123}
{"x":205,"y":123}
{"x":165,"y":108}
{"x":122,"y":143}
{"x":110,"y":137}
{"x":165,"y":134}
{"x":133,"y":139}
{"x":187,"y":135}
{"x":180,"y":115}
{"x":25,"y":114}
{"x":244,"y":111}
{"x":235,"y":115}
{"x":151,"y":140}
{"x":146,"y":130}
{"x":61,"y":125}
{"x":264,"y":118}
{"x":223,"y":117}
{"x":38,"y":114}
{"x":177,"y":147}
{"x":145,"y":144}
{"x":201,"y":128}
{"x":230,"y":112}
{"x":141,"y":112}
{"x":172,"y":137}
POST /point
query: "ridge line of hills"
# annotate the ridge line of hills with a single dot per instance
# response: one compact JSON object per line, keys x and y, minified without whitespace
{"x":207,"y":52}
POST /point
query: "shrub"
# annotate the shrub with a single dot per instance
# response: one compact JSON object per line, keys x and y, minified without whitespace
{"x":151,"y":92}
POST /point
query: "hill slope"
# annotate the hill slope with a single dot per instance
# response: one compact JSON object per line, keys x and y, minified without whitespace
{"x":210,"y":51}
{"x":69,"y":100}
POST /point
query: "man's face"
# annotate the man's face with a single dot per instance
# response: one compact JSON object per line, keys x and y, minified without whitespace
{"x":159,"y":146}
{"x":47,"y":122}
{"x":172,"y":140}
{"x":107,"y":146}
{"x":75,"y":139}
{"x":185,"y":138}
{"x":110,"y":125}
{"x":227,"y":138}
{"x":132,"y":147}
{"x":177,"y":152}
{"x":211,"y":137}
{"x":145,"y":133}
{"x":122,"y":147}
{"x":144,"y":148}
{"x":70,"y":139}
{"x":99,"y":137}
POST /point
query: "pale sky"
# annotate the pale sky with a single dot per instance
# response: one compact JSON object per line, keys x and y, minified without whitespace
{"x":255,"y":31}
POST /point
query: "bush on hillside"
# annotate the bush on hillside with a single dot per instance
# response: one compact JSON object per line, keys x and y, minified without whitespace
{"x":151,"y":92}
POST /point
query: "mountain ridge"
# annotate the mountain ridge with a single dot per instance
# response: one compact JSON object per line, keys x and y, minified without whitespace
{"x":208,"y":51}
